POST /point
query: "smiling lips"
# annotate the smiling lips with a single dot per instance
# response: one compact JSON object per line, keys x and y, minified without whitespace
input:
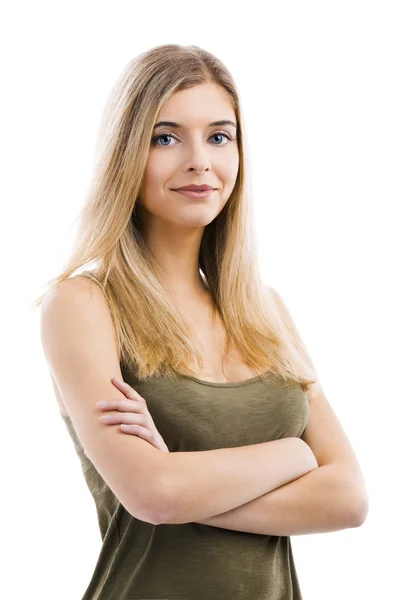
{"x":194,"y":188}
{"x":202,"y":193}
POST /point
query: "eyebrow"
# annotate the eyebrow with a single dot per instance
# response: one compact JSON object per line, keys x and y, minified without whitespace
{"x":178,"y":125}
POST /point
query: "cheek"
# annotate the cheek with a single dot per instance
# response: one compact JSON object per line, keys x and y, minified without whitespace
{"x":229,"y":173}
{"x":159,"y":171}
{"x":228,"y":167}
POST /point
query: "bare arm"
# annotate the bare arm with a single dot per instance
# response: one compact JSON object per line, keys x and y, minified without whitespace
{"x":211,"y":482}
{"x":320,"y":501}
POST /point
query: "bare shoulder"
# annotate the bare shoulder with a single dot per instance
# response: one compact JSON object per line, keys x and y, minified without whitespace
{"x":74,"y":299}
{"x":272,"y":294}
{"x":78,"y":287}
{"x":79,"y":345}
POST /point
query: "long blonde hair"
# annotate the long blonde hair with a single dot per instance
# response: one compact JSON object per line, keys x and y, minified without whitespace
{"x":151,"y":333}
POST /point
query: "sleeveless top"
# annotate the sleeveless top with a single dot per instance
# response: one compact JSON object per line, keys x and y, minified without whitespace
{"x":192,"y":561}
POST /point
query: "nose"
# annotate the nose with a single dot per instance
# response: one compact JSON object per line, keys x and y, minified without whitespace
{"x":198,"y":158}
{"x":199,"y":168}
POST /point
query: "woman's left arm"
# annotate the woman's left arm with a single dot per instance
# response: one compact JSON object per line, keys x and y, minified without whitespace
{"x":324,"y":500}
{"x":329,"y":498}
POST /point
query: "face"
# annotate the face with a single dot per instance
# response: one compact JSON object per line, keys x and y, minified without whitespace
{"x":193,"y":153}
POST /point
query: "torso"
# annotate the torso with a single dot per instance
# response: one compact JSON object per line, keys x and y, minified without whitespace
{"x":209,"y":338}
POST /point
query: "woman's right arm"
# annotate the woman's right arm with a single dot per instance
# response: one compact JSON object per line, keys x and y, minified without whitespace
{"x":79,"y":344}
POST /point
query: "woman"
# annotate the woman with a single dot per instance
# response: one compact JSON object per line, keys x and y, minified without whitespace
{"x":216,"y":379}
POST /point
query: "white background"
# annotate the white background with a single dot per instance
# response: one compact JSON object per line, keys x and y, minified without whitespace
{"x":319,"y":82}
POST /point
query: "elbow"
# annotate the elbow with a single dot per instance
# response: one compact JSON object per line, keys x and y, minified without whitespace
{"x":164,"y":507}
{"x":359,"y":512}
{"x":152,"y":501}
{"x":169,"y":510}
{"x":351,"y":487}
{"x":156,"y":510}
{"x":162,"y":515}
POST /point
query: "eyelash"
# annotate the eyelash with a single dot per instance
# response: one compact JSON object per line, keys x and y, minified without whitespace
{"x":175,"y":138}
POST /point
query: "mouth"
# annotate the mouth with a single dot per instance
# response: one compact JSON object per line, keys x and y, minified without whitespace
{"x":206,"y":189}
{"x":195,"y":193}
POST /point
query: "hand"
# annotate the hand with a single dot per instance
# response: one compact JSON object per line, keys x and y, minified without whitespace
{"x":133,"y":414}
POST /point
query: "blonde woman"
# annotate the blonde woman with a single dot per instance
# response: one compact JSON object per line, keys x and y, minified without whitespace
{"x":220,"y":443}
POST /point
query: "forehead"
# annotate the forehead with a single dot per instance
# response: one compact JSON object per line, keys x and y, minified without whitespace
{"x":198,"y":106}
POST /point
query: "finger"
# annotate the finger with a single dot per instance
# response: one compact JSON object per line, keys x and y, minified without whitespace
{"x":161,"y":445}
{"x":126,"y":389}
{"x":138,"y":430}
{"x":122,"y":405}
{"x":127,"y":418}
{"x":146,"y":434}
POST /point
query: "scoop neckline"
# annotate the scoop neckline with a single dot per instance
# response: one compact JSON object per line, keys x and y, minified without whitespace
{"x":224,"y":384}
{"x":229,"y":383}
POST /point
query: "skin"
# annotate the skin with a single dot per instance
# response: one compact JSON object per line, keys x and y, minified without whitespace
{"x":195,"y":153}
{"x":133,"y":414}
{"x":313,"y":503}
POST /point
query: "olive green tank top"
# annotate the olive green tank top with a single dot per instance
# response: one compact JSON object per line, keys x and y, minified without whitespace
{"x":192,"y":561}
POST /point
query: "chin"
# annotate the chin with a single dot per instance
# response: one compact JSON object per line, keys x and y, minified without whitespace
{"x":196,"y":221}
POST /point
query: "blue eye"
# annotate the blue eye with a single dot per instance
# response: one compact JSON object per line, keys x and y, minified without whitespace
{"x":171,"y":135}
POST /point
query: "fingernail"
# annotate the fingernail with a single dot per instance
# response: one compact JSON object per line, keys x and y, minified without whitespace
{"x":117,"y":379}
{"x":102,"y":404}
